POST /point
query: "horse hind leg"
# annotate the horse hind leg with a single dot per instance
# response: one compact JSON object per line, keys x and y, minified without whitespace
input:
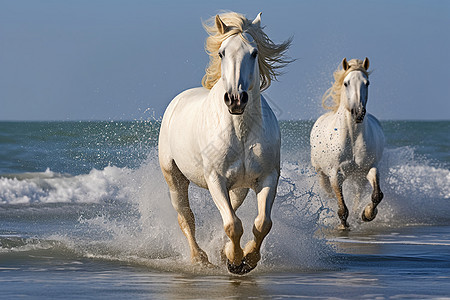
{"x":360,"y":185}
{"x":370,"y":211}
{"x":178,"y":188}
{"x":237,"y":197}
{"x":324,"y":182}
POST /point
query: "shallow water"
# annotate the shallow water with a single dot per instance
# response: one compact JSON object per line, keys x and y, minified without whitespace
{"x":409,"y":263}
{"x":96,"y":222}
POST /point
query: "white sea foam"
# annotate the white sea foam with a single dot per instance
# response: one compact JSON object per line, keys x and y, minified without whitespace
{"x":50,"y":187}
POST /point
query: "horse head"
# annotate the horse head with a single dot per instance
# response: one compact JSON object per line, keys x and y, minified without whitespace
{"x":356,"y":86}
{"x":239,"y":66}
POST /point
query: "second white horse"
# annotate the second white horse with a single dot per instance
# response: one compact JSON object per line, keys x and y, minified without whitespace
{"x":347,"y":142}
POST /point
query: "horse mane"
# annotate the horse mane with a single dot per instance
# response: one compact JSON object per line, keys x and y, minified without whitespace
{"x":334,"y":92}
{"x":271,"y":56}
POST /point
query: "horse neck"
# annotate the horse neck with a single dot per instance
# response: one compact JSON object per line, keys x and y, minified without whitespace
{"x":242,"y":124}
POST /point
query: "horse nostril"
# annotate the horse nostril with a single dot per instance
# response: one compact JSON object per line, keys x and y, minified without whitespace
{"x":244,"y":98}
{"x":353,"y":111}
{"x":227,"y":99}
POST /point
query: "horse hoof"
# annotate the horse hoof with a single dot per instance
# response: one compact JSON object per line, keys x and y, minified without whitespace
{"x":241,"y":269}
{"x":343,"y":227}
{"x":371,"y":217}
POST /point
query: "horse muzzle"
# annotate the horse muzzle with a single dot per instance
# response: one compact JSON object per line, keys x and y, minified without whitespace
{"x":236,"y":103}
{"x":359,"y":114}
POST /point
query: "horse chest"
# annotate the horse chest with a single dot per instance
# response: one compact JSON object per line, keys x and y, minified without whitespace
{"x":245,"y":164}
{"x":335,"y":148}
{"x":355,"y":154}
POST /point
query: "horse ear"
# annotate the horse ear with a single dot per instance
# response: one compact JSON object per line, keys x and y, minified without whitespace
{"x":366,"y":63}
{"x":345,"y":65}
{"x":257,"y":20}
{"x":221,"y":25}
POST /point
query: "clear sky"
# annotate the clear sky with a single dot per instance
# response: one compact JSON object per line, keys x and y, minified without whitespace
{"x":115,"y":60}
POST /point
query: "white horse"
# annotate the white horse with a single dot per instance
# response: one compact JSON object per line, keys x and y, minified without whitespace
{"x":224,"y":136}
{"x":346,"y":142}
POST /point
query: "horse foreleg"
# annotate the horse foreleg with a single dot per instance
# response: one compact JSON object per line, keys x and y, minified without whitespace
{"x":336,"y":183}
{"x":178,"y":188}
{"x":265,"y":194}
{"x":237,"y":197}
{"x":370,"y":212}
{"x":231,"y":223}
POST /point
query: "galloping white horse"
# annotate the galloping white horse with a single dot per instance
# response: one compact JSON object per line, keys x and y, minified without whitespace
{"x":224,"y":137}
{"x":346,"y":142}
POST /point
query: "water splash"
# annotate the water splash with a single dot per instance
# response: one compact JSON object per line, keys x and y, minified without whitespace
{"x":135,"y":222}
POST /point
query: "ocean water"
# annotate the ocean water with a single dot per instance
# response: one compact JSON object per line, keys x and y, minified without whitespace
{"x":85,"y":213}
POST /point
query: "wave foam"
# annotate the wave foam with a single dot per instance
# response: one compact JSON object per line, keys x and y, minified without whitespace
{"x":50,"y":187}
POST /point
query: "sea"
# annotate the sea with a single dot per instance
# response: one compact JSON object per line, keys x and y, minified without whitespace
{"x":85,"y":214}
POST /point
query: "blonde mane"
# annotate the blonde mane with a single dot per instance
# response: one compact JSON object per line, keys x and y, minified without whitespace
{"x":271,"y":57}
{"x":334,"y":92}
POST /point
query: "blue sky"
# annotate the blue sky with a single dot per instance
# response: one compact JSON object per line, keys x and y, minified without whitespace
{"x":115,"y":60}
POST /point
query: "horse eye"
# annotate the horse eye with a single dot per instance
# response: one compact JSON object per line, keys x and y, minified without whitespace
{"x":255,"y":53}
